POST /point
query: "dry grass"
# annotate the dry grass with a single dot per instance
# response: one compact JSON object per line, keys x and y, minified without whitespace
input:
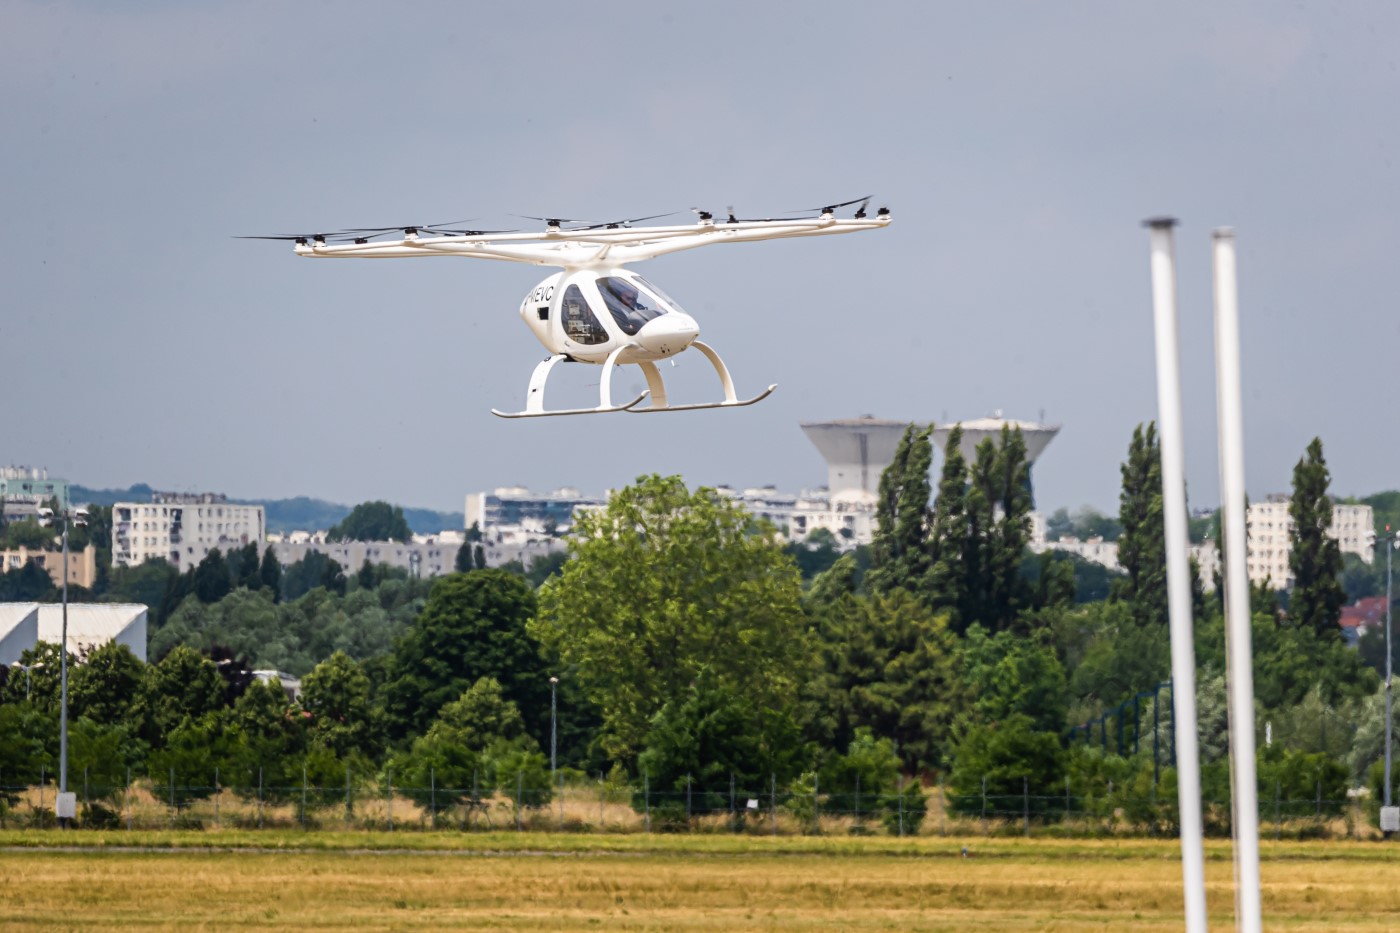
{"x":562,"y":882}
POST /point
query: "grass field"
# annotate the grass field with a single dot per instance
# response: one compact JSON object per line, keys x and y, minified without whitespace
{"x":505,"y":881}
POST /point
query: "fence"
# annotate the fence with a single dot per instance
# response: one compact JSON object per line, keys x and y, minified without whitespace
{"x":580,"y":803}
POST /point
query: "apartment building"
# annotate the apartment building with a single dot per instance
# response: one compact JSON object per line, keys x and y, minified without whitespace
{"x":183,"y":528}
{"x":1270,"y":527}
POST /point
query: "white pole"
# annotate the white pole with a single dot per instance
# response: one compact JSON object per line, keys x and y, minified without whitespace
{"x":1238,"y":641}
{"x":1169,"y":423}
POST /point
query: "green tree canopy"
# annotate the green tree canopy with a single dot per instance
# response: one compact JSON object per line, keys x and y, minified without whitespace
{"x":662,"y":583}
{"x":184,"y":684}
{"x":372,"y":521}
{"x":890,"y":664}
{"x":479,"y":717}
{"x":337,"y":695}
{"x":473,"y":626}
{"x":104,"y":687}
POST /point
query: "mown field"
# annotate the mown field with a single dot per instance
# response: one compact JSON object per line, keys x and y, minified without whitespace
{"x":333,"y":881}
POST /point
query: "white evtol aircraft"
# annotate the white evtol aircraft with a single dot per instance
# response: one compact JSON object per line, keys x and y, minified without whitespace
{"x":596,"y":310}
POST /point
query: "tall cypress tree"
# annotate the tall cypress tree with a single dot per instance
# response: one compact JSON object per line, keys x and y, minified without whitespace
{"x":1315,"y":558}
{"x":899,"y":557}
{"x":1013,"y":528}
{"x":270,"y":573}
{"x":946,"y":582}
{"x":1142,"y":549}
{"x":998,"y":526}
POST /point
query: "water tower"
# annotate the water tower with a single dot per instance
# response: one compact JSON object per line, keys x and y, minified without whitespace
{"x":856,"y":450}
{"x":1036,"y":436}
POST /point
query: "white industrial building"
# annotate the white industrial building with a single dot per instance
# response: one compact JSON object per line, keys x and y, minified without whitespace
{"x":90,"y":625}
{"x":183,"y":528}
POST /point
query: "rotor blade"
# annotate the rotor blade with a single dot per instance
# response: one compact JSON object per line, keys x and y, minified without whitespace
{"x":464,"y":232}
{"x":831,"y":207}
{"x":627,"y":222}
{"x":554,"y":220}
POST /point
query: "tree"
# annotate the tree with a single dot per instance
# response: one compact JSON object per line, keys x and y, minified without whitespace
{"x":1315,"y":560}
{"x":1142,"y":546}
{"x":212,"y":580}
{"x":899,"y":557}
{"x":1011,"y":676}
{"x":372,"y":521}
{"x":184,"y":684}
{"x":947,"y":577}
{"x":27,"y":584}
{"x":473,"y":626}
{"x":245,"y":567}
{"x":146,"y":584}
{"x":463,"y":561}
{"x":104,"y":687}
{"x":710,"y":735}
{"x":39,"y":687}
{"x":270,"y":573}
{"x":337,"y":695}
{"x":890,"y":664}
{"x":479,"y":717}
{"x":1003,"y":760}
{"x":998,"y":525}
{"x":662,"y":583}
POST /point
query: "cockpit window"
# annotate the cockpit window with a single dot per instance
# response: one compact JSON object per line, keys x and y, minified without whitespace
{"x":579,"y":323}
{"x":669,"y":301}
{"x":629,"y":306}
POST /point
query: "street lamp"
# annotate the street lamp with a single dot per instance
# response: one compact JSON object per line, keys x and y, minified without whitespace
{"x":553,"y":732}
{"x":76,"y":517}
{"x":28,"y":680}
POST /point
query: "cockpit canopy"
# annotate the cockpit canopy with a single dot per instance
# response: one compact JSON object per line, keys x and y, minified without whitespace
{"x":630,"y":300}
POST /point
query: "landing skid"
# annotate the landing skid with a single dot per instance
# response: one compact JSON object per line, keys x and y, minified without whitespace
{"x":737,"y":403}
{"x":572,"y":411}
{"x":656,"y":388}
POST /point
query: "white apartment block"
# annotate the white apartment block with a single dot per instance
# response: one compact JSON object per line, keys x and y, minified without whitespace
{"x":183,"y":528}
{"x":849,"y":514}
{"x":425,"y":556}
{"x":1270,"y":527}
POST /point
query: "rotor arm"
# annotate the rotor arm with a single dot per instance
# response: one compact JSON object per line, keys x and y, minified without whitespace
{"x":746,"y":232}
{"x":533,"y":254}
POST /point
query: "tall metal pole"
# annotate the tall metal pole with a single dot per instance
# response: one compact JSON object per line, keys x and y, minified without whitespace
{"x":1178,"y":569}
{"x":63,"y":673}
{"x":1238,"y":647}
{"x":1389,"y":546}
{"x":553,"y":731}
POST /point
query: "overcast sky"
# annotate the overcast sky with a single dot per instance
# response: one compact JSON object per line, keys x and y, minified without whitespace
{"x":1018,"y":145}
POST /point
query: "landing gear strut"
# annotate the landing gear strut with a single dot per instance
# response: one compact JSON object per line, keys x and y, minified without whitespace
{"x":656,"y":388}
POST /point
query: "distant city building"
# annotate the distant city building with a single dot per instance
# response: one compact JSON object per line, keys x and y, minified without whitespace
{"x":24,"y":489}
{"x":518,"y":507}
{"x":1270,"y":529}
{"x":1360,"y":617}
{"x":424,"y":556}
{"x":82,"y":565}
{"x":182,"y":528}
{"x":90,"y":626}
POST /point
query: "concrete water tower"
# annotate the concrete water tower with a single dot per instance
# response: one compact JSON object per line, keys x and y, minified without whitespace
{"x":1036,"y":436}
{"x":856,"y":450}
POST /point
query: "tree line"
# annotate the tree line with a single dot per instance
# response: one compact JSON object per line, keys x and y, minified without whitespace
{"x":690,"y":648}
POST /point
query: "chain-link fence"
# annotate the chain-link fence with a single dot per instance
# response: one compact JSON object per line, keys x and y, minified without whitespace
{"x":575,"y":802}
